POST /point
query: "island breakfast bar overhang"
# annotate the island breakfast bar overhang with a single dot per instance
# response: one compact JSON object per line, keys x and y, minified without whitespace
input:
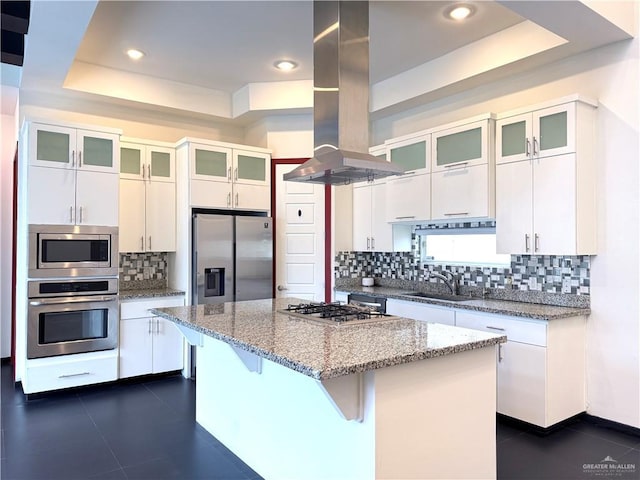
{"x":402,"y":398}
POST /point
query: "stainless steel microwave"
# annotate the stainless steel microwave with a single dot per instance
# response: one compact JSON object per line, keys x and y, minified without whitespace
{"x":72,"y":251}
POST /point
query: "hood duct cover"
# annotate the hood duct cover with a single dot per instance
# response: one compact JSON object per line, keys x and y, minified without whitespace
{"x":341,"y":99}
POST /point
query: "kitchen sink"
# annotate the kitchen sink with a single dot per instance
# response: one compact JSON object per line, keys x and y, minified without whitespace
{"x":437,"y":296}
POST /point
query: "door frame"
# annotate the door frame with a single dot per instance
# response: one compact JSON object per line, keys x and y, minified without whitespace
{"x":328,"y":233}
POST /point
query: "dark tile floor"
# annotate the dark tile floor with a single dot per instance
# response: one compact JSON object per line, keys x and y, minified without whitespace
{"x":146,"y":430}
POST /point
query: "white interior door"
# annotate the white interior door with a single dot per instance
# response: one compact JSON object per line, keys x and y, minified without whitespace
{"x":299,"y":238}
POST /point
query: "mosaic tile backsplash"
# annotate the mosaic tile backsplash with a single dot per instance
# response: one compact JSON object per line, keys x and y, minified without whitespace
{"x":143,"y":270}
{"x":549,"y":274}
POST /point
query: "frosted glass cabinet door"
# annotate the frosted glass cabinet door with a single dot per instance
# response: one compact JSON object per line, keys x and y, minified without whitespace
{"x":251,"y":168}
{"x":131,"y":161}
{"x":412,"y":154}
{"x":52,"y":146}
{"x":210,"y":163}
{"x":98,"y":152}
{"x":462,"y":145}
{"x":554,"y":130}
{"x":514,"y":138}
{"x":161,"y":164}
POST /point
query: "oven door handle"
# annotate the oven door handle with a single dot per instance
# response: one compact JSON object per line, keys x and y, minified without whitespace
{"x":58,"y":301}
{"x":364,"y":304}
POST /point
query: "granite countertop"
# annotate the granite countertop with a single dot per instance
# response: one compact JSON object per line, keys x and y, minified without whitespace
{"x":503,"y":307}
{"x":324,"y":351}
{"x":140,"y":293}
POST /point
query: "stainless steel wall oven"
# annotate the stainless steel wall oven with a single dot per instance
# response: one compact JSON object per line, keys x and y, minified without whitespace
{"x":68,"y":316}
{"x":72,"y":251}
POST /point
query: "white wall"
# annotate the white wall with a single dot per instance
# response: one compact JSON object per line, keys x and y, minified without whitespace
{"x":8,"y":126}
{"x":611,"y":75}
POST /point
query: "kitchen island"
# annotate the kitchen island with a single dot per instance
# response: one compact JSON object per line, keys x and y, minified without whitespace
{"x":297,"y":398}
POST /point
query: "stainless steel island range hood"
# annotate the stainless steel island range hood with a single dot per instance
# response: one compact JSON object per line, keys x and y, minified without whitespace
{"x":341,"y":98}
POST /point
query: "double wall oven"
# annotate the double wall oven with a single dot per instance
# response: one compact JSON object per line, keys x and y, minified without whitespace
{"x":72,"y":289}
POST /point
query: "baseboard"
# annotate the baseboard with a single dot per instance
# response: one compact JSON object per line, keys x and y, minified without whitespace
{"x":603,"y":422}
{"x":581,"y":417}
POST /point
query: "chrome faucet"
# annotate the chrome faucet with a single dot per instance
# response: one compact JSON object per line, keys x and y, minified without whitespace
{"x":451,"y":282}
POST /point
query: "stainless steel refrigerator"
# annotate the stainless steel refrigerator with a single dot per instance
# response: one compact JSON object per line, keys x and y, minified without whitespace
{"x":232,"y":258}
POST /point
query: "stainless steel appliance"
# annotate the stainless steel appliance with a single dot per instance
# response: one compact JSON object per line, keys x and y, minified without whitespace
{"x":232,"y":257}
{"x":72,"y":251}
{"x":379,"y":304}
{"x":72,"y":316}
{"x":337,"y":313}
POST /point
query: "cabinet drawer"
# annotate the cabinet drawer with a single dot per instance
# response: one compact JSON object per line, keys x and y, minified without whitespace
{"x":54,"y":373}
{"x":533,"y":332}
{"x":140,"y":308}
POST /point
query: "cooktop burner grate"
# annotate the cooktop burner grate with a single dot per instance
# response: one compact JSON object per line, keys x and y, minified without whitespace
{"x":335,"y":311}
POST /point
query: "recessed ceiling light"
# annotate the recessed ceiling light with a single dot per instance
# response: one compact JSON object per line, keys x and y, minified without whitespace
{"x":285,"y":65}
{"x":459,"y":11}
{"x":135,"y":54}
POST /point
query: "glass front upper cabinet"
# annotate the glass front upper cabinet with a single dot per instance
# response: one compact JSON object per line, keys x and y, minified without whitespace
{"x":66,"y":147}
{"x":541,"y":133}
{"x":161,"y":161}
{"x":210,"y":163}
{"x":412,"y":154}
{"x":251,"y":168}
{"x":461,"y":146}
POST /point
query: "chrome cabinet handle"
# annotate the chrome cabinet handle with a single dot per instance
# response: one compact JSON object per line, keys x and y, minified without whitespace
{"x":235,"y":174}
{"x":535,"y":151}
{"x":368,"y":243}
{"x":229,"y":173}
{"x":463,"y":164}
{"x":149,"y":324}
{"x":71,"y":214}
{"x":229,"y":199}
{"x":526,"y":242}
{"x":536,"y":242}
{"x":407,"y":216}
{"x":79,"y":158}
{"x":456,"y":213}
{"x":149,"y":242}
{"x":141,"y":242}
{"x":495,"y":328}
{"x":73,"y":158}
{"x":500,"y":357}
{"x":157,"y":326}
{"x":373,"y":243}
{"x":80,"y":215}
{"x":237,"y":199}
{"x":68,"y":375}
{"x":528,"y":148}
{"x":144,"y":171}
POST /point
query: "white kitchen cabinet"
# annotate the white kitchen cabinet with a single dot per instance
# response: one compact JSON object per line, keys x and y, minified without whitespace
{"x":66,"y":196}
{"x":421,"y":311}
{"x":545,"y":199}
{"x":411,"y":152}
{"x":371,"y":232}
{"x":226,"y":176}
{"x":463,"y":170}
{"x":545,"y":130}
{"x":72,"y":174}
{"x":147,"y":198}
{"x":408,"y":198}
{"x":148,"y":344}
{"x":67,"y":371}
{"x":466,"y":143}
{"x":541,"y":368}
{"x":462,"y":193}
{"x":69,"y":147}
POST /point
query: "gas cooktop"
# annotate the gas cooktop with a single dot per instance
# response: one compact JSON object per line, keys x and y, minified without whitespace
{"x":336,"y":313}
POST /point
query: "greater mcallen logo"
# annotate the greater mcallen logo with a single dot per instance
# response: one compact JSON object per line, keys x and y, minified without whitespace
{"x":608,"y":466}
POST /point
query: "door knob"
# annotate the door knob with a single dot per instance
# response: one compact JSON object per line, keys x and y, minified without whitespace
{"x":281,"y":288}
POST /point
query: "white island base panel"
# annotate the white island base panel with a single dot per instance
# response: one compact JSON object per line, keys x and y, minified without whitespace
{"x":433,"y":418}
